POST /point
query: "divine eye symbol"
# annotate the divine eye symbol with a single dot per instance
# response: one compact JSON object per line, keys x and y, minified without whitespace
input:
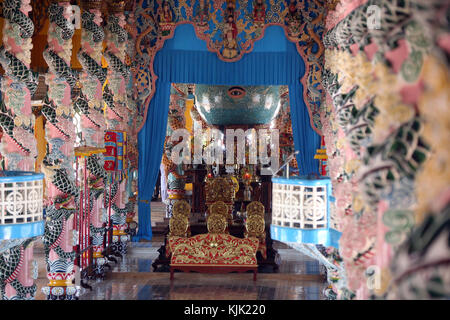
{"x":236,"y":92}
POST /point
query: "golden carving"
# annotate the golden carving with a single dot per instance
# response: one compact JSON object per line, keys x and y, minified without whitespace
{"x":181,"y":208}
{"x":220,"y":189}
{"x":216,"y":223}
{"x":115,"y":6}
{"x":213,"y":249}
{"x":178,"y":226}
{"x":255,"y":208}
{"x":255,"y":226}
{"x":220,"y":208}
{"x":91,"y":4}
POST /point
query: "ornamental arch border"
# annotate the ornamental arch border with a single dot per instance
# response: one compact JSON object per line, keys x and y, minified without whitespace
{"x":205,"y":37}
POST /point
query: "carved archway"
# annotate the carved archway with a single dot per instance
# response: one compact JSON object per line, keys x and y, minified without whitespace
{"x":305,"y":32}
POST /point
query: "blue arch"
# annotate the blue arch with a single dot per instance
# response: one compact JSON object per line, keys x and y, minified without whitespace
{"x":186,"y":59}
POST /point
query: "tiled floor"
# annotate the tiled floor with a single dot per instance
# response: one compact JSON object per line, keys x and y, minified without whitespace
{"x":206,"y":287}
{"x":132,"y":278}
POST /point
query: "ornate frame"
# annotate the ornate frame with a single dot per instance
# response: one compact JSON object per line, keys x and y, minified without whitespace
{"x":303,"y":50}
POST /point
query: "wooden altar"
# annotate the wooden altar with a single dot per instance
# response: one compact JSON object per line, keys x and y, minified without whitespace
{"x":262,"y":191}
{"x":196,"y":176}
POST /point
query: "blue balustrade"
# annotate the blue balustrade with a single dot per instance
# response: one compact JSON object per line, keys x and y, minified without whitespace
{"x":21,"y":205}
{"x":301,"y":211}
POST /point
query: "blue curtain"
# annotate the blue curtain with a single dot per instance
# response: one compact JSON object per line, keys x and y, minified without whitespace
{"x":306,"y":140}
{"x":256,"y":68}
{"x":151,"y":145}
{"x":186,"y":59}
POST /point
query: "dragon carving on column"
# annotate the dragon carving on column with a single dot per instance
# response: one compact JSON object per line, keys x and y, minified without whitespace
{"x":175,"y":177}
{"x":18,"y":85}
{"x":13,"y":264}
{"x":118,"y":215}
{"x":117,"y":72}
{"x":62,"y":194}
{"x":376,"y":136}
{"x":18,"y":144}
{"x":115,"y":96}
{"x":89,"y":105}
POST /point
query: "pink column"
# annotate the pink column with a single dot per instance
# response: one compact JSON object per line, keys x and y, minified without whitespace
{"x":115,"y":96}
{"x":93,"y":122}
{"x":18,"y":144}
{"x":58,"y":165}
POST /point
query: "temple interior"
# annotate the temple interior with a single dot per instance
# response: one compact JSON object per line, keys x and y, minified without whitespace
{"x":224,"y":150}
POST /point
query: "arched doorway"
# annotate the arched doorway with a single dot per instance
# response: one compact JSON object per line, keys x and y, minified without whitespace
{"x":186,"y":59}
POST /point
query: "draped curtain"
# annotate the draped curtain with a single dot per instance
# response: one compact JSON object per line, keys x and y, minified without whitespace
{"x":151,"y":145}
{"x":186,"y":59}
{"x":306,"y":140}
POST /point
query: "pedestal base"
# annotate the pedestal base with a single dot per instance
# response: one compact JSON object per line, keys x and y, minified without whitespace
{"x":119,"y":245}
{"x":61,"y":293}
{"x":99,"y":269}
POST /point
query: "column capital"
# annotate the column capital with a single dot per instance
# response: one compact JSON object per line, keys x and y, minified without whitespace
{"x":129,"y":5}
{"x":91,"y":4}
{"x":116,"y":6}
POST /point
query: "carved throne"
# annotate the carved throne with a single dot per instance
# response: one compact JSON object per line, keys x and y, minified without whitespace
{"x":220,"y":190}
{"x":255,"y":225}
{"x":219,"y":208}
{"x":179,"y":222}
{"x":215,"y":251}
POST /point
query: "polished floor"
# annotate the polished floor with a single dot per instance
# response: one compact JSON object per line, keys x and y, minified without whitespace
{"x":132,"y":278}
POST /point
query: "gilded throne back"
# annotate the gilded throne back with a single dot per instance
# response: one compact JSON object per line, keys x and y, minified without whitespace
{"x":220,"y":189}
{"x":219,"y":192}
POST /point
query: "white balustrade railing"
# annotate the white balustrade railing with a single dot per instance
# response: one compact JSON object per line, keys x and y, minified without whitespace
{"x":300,"y":204}
{"x":21,"y":197}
